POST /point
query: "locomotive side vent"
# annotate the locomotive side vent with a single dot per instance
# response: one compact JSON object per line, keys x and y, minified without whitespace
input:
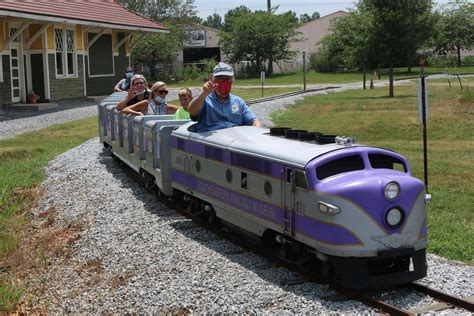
{"x":338,"y":166}
{"x":294,"y":133}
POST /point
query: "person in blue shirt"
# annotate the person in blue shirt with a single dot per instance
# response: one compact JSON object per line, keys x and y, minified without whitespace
{"x":216,"y":108}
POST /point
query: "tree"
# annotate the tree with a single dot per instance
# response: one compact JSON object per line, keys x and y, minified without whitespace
{"x":178,"y":12}
{"x":214,"y":21}
{"x":456,"y":28}
{"x":399,"y":28}
{"x":161,"y":48}
{"x":350,"y":43}
{"x":234,"y":14}
{"x":258,"y":37}
{"x":157,"y":49}
{"x":305,"y":17}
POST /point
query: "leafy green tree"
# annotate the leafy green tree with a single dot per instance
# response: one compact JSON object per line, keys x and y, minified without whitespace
{"x":305,"y":17}
{"x":157,"y":49}
{"x":233,"y":14}
{"x":258,"y":37}
{"x":399,"y":29}
{"x":456,"y":28}
{"x":291,"y":16}
{"x":174,"y":11}
{"x":214,"y":21}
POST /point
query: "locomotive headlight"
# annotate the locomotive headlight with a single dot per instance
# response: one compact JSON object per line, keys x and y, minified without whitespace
{"x":391,"y":191}
{"x":394,"y":217}
{"x":327,"y":208}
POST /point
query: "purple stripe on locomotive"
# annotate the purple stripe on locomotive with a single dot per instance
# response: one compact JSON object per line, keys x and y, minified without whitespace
{"x":366,"y":187}
{"x":320,"y":231}
{"x":267,"y":167}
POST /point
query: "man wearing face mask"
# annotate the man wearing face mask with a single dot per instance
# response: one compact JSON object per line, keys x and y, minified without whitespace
{"x":216,"y":108}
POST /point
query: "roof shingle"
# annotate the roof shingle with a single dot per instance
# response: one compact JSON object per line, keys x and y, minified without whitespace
{"x":99,"y":11}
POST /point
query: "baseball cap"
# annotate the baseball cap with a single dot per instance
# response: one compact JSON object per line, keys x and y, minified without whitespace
{"x":223,"y":69}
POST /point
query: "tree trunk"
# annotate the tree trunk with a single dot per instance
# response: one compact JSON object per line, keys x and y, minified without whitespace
{"x":409,"y":68}
{"x":391,"y":94}
{"x":270,"y":66}
{"x":459,"y":55}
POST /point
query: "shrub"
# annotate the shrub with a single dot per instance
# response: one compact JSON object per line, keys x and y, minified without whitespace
{"x":322,"y":62}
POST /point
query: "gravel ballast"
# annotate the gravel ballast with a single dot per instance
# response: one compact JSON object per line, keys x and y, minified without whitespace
{"x":135,"y":255}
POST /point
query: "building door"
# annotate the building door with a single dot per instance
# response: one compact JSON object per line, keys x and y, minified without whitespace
{"x":15,"y":66}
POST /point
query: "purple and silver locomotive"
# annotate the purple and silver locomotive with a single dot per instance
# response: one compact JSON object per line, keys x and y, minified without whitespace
{"x":355,"y":211}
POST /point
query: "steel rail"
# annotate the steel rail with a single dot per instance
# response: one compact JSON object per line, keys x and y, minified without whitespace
{"x":442,"y":296}
{"x":288,"y":94}
{"x":375,"y":303}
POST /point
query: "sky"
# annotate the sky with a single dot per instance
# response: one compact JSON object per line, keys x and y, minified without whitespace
{"x":324,"y":7}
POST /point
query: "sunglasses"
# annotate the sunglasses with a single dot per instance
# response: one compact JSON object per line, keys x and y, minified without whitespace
{"x":138,"y":83}
{"x":129,"y":72}
{"x":165,"y":92}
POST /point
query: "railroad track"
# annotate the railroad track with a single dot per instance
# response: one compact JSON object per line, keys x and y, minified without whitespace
{"x":288,"y":94}
{"x":250,"y":245}
{"x":445,"y":301}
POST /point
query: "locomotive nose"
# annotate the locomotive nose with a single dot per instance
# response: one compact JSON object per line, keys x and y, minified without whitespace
{"x":387,"y":197}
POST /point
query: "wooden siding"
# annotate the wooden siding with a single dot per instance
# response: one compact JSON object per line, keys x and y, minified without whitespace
{"x":79,"y":38}
{"x":50,"y":37}
{"x":5,"y":86}
{"x":66,"y":88}
{"x":38,"y":43}
{"x":105,"y":85}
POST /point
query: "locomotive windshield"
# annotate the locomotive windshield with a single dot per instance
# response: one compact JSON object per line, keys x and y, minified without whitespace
{"x":380,"y":161}
{"x":341,"y":165}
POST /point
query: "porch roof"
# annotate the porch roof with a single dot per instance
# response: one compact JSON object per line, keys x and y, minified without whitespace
{"x":96,"y":13}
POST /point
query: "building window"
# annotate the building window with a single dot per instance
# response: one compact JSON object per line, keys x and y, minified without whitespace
{"x":65,"y":52}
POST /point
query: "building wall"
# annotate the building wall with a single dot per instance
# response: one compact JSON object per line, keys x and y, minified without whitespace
{"x":5,"y":86}
{"x":312,"y":33}
{"x":104,"y":85}
{"x":66,"y":88}
{"x":2,"y":27}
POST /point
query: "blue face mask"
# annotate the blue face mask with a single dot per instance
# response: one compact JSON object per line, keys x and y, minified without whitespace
{"x":159,"y":99}
{"x":129,"y":75}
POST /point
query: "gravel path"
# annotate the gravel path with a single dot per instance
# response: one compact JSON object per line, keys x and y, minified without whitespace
{"x":137,"y":256}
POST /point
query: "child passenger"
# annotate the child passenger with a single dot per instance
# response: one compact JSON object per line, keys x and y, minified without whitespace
{"x":185,"y":96}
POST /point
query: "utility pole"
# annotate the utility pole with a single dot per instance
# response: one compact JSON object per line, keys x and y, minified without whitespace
{"x":270,"y":60}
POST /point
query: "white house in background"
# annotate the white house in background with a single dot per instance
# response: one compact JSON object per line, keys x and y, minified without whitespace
{"x":312,"y":33}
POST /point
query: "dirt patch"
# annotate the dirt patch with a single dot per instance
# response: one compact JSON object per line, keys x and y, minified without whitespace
{"x":43,"y":239}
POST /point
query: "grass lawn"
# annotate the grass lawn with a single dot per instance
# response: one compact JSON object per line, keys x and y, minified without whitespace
{"x":377,"y":120}
{"x":22,"y":162}
{"x":335,"y":77}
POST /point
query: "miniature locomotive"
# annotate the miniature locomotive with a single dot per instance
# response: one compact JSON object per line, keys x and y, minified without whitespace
{"x":355,"y":212}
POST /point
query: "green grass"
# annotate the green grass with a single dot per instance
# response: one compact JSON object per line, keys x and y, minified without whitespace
{"x":393,"y":123}
{"x":22,"y":162}
{"x":335,"y":77}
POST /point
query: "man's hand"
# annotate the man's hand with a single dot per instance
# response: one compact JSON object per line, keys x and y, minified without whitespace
{"x":208,"y":88}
